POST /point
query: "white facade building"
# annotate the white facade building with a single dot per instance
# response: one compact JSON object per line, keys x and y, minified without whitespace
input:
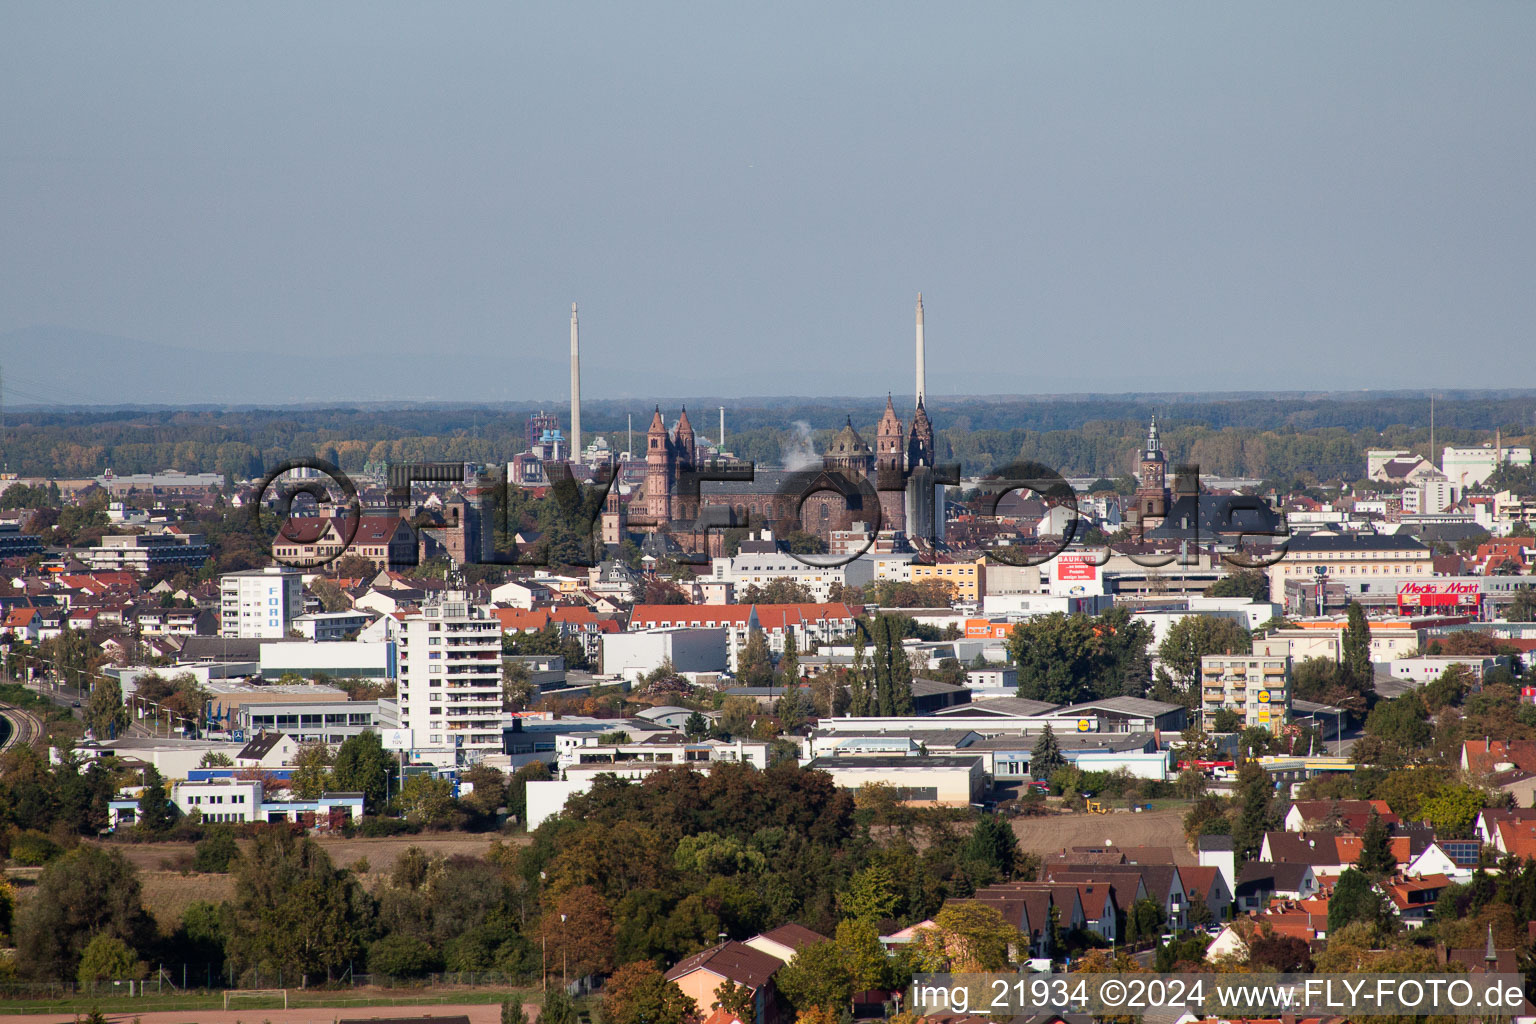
{"x":633,"y":655}
{"x":260,"y":603}
{"x":450,"y":678}
{"x":1470,"y":466}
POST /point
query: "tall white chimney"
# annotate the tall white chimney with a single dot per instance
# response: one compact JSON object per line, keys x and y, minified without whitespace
{"x":575,"y":390}
{"x":722,"y":428}
{"x":922,"y":385}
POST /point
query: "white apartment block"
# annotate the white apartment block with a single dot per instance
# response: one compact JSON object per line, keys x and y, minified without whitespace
{"x":1257,"y":688}
{"x":758,"y":562}
{"x":1428,"y":497}
{"x":260,"y":604}
{"x":450,"y":678}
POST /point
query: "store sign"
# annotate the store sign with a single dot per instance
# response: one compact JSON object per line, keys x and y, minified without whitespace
{"x":1439,"y":594}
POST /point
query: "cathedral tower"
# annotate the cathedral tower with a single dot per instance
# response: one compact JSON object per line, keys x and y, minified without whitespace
{"x":1152,"y":490}
{"x":659,"y":462}
{"x":890,"y":461}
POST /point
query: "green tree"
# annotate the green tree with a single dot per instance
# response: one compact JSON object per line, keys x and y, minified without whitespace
{"x":864,"y":960}
{"x":311,"y":770}
{"x":1356,"y":648}
{"x":107,"y":958}
{"x":697,"y":727}
{"x":362,"y":765}
{"x":1523,"y":607}
{"x":512,"y":1012}
{"x":1249,"y":583}
{"x":860,"y":697}
{"x":1057,"y":657}
{"x":427,"y":800}
{"x":1355,"y":899}
{"x":871,"y":895}
{"x":892,"y":670}
{"x":1255,"y":814}
{"x":816,"y":977}
{"x":1046,"y":758}
{"x":737,"y":1000}
{"x":215,"y":759}
{"x":754,"y":663}
{"x":638,"y":993}
{"x":293,"y":910}
{"x":1144,"y":920}
{"x":104,"y":710}
{"x":965,"y":937}
{"x":517,"y":689}
{"x":87,"y":892}
{"x":156,"y":812}
{"x":215,"y":852}
{"x":558,"y":1008}
{"x":1192,"y":638}
{"x":1452,"y":810}
{"x":1376,"y":861}
{"x":1226,"y":720}
{"x":398,"y":955}
{"x":992,"y":849}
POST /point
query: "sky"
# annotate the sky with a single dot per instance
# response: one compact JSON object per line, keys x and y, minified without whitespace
{"x":745,"y":199}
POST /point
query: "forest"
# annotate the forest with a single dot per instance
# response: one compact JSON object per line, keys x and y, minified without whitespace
{"x":1315,"y":438}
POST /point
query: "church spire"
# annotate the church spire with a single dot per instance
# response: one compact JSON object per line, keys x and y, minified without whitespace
{"x":922,"y":359}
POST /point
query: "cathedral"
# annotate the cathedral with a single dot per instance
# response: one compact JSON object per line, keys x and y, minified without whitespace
{"x":885,"y":488}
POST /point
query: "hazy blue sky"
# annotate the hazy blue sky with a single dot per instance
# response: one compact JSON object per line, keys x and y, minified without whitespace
{"x":1090,"y":196}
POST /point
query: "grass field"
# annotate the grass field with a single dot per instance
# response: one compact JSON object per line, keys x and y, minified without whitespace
{"x":1160,"y":827}
{"x":168,"y":891}
{"x":381,"y":854}
{"x":207,"y":1008}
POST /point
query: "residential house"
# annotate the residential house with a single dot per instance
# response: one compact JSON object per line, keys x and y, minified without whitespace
{"x":785,"y":941}
{"x":267,"y":750}
{"x":701,"y":975}
{"x":1352,"y":815}
{"x":1413,"y":899}
{"x":1259,"y":882}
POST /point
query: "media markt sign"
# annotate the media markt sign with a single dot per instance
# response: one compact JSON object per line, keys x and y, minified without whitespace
{"x":1439,"y":594}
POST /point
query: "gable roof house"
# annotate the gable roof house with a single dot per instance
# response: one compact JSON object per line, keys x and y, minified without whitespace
{"x":701,"y":975}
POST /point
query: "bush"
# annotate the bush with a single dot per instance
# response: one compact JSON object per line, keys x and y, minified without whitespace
{"x":33,"y":849}
{"x":214,"y":854}
{"x":107,"y":958}
{"x":383,"y":828}
{"x":402,"y":956}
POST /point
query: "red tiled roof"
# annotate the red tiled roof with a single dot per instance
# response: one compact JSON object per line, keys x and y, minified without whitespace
{"x":735,"y":961}
{"x":1482,"y":755}
{"x":18,"y":617}
{"x":795,"y":936}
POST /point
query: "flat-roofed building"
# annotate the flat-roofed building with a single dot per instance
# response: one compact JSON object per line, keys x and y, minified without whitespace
{"x":326,"y":722}
{"x":949,"y":781}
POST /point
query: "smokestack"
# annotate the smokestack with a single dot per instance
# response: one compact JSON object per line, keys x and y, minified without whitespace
{"x":575,"y":390}
{"x":922,"y":384}
{"x":722,"y":428}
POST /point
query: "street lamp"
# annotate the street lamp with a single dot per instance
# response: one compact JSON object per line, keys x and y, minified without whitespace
{"x":565,"y":958}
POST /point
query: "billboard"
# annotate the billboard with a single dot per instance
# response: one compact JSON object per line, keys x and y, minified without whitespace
{"x":1075,"y":575}
{"x":396,"y":739}
{"x":1076,"y":567}
{"x":1439,"y":594}
{"x":986,"y":629}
